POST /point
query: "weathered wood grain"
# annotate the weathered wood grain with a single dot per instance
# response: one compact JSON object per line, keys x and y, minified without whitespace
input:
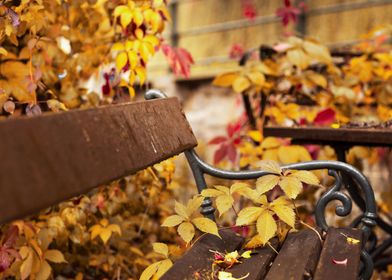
{"x":53,"y":157}
{"x":197,"y":261}
{"x":297,"y":258}
{"x":257,"y":266}
{"x":337,"y":249}
{"x":325,"y":135}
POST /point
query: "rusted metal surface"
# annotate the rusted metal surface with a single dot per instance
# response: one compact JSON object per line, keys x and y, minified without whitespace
{"x":50,"y":158}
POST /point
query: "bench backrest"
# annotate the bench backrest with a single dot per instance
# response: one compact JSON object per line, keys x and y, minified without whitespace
{"x":53,"y":157}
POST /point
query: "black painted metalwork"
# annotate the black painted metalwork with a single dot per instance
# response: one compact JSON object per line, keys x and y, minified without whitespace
{"x":335,"y":169}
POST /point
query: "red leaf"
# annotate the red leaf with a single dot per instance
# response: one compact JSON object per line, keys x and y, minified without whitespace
{"x":325,"y":117}
{"x":217,"y":140}
{"x":231,"y":153}
{"x":288,"y":13}
{"x":180,"y":60}
{"x":220,"y":154}
{"x":236,"y":51}
{"x":249,"y":9}
{"x":233,"y":128}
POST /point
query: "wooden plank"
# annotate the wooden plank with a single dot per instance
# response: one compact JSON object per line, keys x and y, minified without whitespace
{"x":297,"y":258}
{"x":53,"y":157}
{"x":325,"y":135}
{"x":257,"y":266}
{"x":197,"y":261}
{"x":336,"y":249}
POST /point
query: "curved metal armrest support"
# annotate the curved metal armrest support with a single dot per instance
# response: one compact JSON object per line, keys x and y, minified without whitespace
{"x":335,"y":169}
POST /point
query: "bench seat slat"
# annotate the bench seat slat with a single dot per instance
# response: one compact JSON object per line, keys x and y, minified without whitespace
{"x":297,"y":258}
{"x":196,"y":263}
{"x":337,"y":249}
{"x":53,"y":157}
{"x":257,"y":266}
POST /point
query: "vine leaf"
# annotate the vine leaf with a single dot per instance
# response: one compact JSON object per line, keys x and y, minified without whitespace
{"x":186,"y":225}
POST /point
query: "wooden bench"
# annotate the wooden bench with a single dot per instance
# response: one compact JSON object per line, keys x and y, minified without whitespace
{"x":50,"y":158}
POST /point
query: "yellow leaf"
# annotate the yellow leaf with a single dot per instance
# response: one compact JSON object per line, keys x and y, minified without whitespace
{"x":291,"y":186}
{"x":270,"y":143}
{"x":3,"y":51}
{"x":318,"y":79}
{"x":224,"y":203}
{"x":254,"y":242}
{"x":239,"y":188}
{"x":126,"y":18}
{"x":255,"y":135}
{"x":114,"y":228}
{"x":149,"y":272}
{"x":173,"y":221}
{"x":44,"y":271}
{"x":164,"y":266}
{"x":306,"y":176}
{"x":351,"y":240}
{"x":257,"y":78}
{"x":137,"y":17}
{"x":225,"y":80}
{"x":266,"y":183}
{"x":105,"y":235}
{"x":181,"y":210}
{"x":266,"y":227}
{"x":241,"y":84}
{"x":56,"y":105}
{"x":317,"y":51}
{"x":194,"y":204}
{"x":298,"y":58}
{"x":118,"y":46}
{"x":206,"y":225}
{"x":229,"y":276}
{"x":223,"y":189}
{"x":25,"y":268}
{"x":343,"y":91}
{"x":248,"y":215}
{"x":121,"y":60}
{"x":246,"y":254}
{"x":211,"y":193}
{"x":133,"y":59}
{"x":285,"y":213}
{"x":95,"y":231}
{"x":161,"y":248}
{"x":120,"y":9}
{"x":141,"y":74}
{"x":55,"y":256}
{"x":187,"y":231}
{"x":269,"y":166}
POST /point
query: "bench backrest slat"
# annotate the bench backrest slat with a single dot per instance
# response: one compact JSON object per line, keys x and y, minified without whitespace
{"x":51,"y":158}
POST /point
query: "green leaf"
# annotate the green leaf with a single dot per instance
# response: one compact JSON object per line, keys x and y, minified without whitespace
{"x":266,"y":227}
{"x":206,"y":225}
{"x":248,"y":215}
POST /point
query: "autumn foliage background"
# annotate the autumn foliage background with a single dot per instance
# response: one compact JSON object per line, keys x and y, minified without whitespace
{"x":61,"y":55}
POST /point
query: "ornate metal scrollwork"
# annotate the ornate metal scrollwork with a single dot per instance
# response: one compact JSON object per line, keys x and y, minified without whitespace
{"x":365,"y":222}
